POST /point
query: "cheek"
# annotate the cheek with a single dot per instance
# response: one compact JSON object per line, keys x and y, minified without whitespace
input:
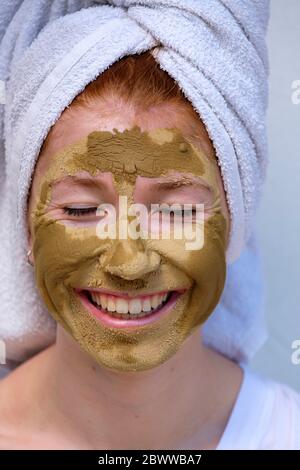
{"x":208,"y":269}
{"x":205,"y":269}
{"x":60,"y":254}
{"x":52,"y":257}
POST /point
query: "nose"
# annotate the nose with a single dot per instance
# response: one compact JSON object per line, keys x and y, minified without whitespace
{"x":129,"y":259}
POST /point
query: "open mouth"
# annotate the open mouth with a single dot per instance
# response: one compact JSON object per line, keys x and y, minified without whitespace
{"x":125,"y":310}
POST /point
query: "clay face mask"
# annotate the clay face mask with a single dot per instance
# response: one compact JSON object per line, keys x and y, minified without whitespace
{"x":81,"y":277}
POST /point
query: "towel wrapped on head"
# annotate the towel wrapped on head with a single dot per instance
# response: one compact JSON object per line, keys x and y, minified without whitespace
{"x":215,"y":50}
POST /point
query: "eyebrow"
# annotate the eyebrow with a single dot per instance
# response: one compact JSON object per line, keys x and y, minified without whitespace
{"x":163,"y":183}
{"x":173,"y":182}
{"x":79,"y":180}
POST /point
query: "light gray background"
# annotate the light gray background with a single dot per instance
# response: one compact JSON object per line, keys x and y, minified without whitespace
{"x":279,"y":214}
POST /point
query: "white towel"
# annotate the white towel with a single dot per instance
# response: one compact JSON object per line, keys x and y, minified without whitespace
{"x":215,"y":50}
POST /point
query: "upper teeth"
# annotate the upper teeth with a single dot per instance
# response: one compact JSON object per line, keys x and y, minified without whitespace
{"x":133,"y":306}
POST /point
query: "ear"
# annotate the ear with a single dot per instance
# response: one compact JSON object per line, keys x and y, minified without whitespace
{"x":228,"y":229}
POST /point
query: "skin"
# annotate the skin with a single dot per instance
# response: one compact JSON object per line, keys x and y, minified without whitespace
{"x":66,"y":247}
{"x":202,"y":384}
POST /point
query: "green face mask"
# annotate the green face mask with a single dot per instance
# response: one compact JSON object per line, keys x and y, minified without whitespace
{"x":70,"y":259}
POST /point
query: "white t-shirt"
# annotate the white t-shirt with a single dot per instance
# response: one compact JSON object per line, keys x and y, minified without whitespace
{"x":266,"y":415}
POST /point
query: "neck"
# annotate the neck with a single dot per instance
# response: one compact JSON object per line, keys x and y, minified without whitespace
{"x":183,"y":402}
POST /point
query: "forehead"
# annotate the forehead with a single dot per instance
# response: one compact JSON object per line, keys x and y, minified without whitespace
{"x":132,"y":153}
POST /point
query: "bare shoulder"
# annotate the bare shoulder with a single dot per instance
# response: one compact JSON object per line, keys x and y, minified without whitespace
{"x":25,"y":421}
{"x":8,"y":417}
{"x":16,"y":417}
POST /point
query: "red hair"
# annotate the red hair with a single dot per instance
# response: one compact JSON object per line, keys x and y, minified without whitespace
{"x":139,"y":81}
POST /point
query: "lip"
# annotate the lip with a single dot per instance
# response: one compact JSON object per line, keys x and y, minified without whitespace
{"x":113,"y":322}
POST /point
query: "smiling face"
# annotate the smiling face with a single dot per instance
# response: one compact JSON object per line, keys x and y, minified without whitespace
{"x":130,"y":303}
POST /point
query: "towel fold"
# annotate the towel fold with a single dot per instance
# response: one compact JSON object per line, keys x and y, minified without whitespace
{"x":215,"y":50}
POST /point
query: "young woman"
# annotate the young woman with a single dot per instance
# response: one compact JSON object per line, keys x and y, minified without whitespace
{"x":128,"y":369}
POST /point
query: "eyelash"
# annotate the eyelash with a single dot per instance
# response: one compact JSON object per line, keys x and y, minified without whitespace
{"x":180,"y":211}
{"x":79,"y":211}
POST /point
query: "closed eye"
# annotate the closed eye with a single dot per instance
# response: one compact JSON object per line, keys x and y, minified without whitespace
{"x":182,"y":212}
{"x":176,"y":211}
{"x":79,"y":211}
